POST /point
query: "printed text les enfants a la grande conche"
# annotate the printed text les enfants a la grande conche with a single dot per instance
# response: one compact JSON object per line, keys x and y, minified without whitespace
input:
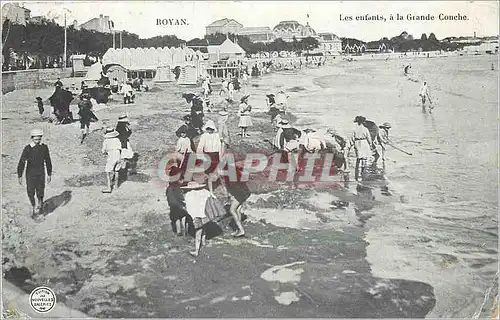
{"x":405,"y":17}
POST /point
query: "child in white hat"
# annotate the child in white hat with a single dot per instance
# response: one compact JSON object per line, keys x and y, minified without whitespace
{"x":112,"y":147}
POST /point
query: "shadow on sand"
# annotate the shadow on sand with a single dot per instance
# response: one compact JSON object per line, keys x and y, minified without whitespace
{"x":55,"y":202}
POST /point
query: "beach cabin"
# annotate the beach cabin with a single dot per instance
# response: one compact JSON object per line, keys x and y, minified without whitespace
{"x":188,"y":76}
{"x":79,"y":69}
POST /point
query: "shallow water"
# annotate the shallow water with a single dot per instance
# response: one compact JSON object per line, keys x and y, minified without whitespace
{"x":440,"y":225}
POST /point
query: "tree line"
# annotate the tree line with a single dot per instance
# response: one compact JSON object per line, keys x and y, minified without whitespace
{"x":406,"y":43}
{"x":45,"y":42}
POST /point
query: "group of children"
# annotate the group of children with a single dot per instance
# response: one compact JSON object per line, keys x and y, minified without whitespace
{"x":194,"y":205}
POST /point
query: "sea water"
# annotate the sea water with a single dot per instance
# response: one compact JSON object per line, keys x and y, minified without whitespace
{"x":440,"y":225}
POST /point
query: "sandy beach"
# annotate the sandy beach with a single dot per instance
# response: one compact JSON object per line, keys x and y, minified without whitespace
{"x":114,"y":255}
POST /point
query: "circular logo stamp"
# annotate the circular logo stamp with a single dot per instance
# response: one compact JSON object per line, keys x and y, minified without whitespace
{"x":42,"y":299}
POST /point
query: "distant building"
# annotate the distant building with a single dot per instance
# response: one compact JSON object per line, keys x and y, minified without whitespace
{"x":258,"y":34}
{"x":354,"y":48}
{"x":289,"y":29}
{"x":41,"y":20}
{"x":378,"y":47}
{"x":329,"y":43}
{"x":224,"y":26}
{"x":485,"y":47}
{"x":102,"y":24}
{"x":15,"y":13}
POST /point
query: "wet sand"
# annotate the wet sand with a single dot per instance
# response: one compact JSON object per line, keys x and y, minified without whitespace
{"x":115,"y":255}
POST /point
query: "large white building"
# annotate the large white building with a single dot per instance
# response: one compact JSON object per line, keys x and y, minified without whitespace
{"x":289,"y":29}
{"x":224,"y":26}
{"x":329,"y":43}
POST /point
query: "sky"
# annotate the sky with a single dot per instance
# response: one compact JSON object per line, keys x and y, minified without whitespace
{"x":140,"y":17}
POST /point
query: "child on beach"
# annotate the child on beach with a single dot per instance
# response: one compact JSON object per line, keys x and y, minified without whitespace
{"x":85,"y":113}
{"x":175,"y":198}
{"x":40,"y":105}
{"x":112,"y":147}
{"x":224,"y":131}
{"x":245,"y":119}
{"x":230,"y":90}
{"x":196,"y":197}
{"x":223,"y":88}
{"x":183,"y":149}
{"x":36,"y":158}
{"x":424,"y":93}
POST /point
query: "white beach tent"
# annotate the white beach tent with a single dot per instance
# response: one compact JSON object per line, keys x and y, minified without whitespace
{"x":227,"y":49}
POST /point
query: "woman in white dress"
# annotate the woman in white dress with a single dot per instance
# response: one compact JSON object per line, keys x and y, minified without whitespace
{"x":363,"y":146}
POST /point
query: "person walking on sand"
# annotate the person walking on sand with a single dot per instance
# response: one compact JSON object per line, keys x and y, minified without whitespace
{"x":85,"y":113}
{"x":127,"y":92}
{"x":424,"y":94}
{"x":206,"y":93}
{"x":206,"y":87}
{"x":127,"y":154}
{"x":39,"y":104}
{"x":245,"y":119}
{"x":111,"y":146}
{"x":196,"y":197}
{"x":230,"y":89}
{"x":223,"y":88}
{"x":224,"y":131}
{"x":36,"y":158}
{"x":363,"y":146}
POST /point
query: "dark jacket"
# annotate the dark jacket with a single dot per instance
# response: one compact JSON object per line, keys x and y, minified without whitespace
{"x":85,"y":109}
{"x":175,"y":199}
{"x":124,"y":133}
{"x":289,"y":134}
{"x":36,"y":159}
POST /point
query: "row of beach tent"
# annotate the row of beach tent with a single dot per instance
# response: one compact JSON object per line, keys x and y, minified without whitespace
{"x":151,"y":58}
